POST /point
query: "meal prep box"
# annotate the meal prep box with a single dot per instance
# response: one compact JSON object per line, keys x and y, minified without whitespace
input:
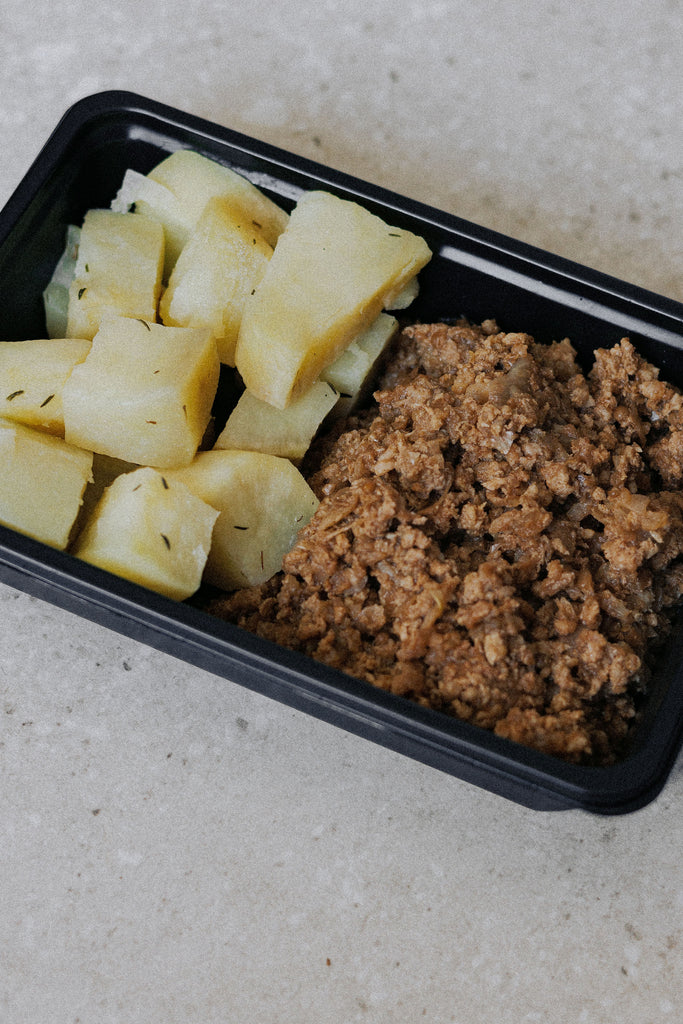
{"x":475,"y":273}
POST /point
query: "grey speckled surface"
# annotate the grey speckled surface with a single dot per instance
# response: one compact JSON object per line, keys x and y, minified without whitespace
{"x":177,"y":849}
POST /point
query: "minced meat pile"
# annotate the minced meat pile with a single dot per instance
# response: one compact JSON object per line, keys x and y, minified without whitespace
{"x":498,"y":538}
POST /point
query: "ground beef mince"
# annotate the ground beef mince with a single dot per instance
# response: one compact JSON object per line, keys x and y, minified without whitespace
{"x":500,"y":538}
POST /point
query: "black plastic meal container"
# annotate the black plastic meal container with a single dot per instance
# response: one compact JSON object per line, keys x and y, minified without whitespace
{"x":474,"y":272}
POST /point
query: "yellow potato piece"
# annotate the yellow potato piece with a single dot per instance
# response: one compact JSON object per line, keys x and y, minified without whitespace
{"x":254,"y":425}
{"x":56,"y":292}
{"x":32,"y":376}
{"x":118,"y":270}
{"x":150,"y":530}
{"x":352,"y":372}
{"x":263,"y":502}
{"x":189,"y":180}
{"x":42,"y":480}
{"x":334,"y":268}
{"x":144,"y":392}
{"x":221,"y":263}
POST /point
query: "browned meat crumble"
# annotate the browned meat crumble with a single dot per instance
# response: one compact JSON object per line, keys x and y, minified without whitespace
{"x":499,"y":538}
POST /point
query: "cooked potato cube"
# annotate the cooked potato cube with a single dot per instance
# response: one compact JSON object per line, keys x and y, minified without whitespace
{"x":105,"y":469}
{"x":42,"y":480}
{"x":333,"y":270}
{"x":254,"y":425}
{"x":56,"y":293}
{"x":221,"y":263}
{"x":138,"y":189}
{"x":32,"y":376}
{"x":403,"y":298}
{"x":150,"y":530}
{"x":263,"y":502}
{"x":144,"y":392}
{"x":150,"y":198}
{"x":118,"y":270}
{"x":190,"y":180}
{"x":352,"y":372}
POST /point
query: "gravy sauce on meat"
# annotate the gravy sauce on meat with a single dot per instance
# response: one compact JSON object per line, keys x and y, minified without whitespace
{"x":500,"y":537}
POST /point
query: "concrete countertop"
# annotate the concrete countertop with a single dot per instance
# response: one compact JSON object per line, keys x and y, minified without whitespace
{"x":175,"y":848}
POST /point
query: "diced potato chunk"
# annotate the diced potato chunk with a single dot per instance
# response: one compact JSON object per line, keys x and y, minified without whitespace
{"x":190,"y":181}
{"x":352,"y":372}
{"x":137,"y":189}
{"x":333,"y":270}
{"x":150,"y":530}
{"x":254,"y":425}
{"x":32,"y":376}
{"x":403,"y":298}
{"x":263,"y":501}
{"x":42,"y":480}
{"x":118,"y":270}
{"x":105,"y":469}
{"x":56,"y":293}
{"x":221,"y":263}
{"x":144,"y":393}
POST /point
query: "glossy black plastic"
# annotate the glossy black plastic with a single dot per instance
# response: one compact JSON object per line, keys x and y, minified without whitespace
{"x":474,"y":272}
